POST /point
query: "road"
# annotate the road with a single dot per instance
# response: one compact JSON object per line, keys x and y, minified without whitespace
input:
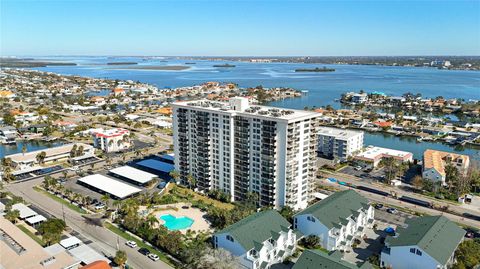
{"x":452,"y":206}
{"x":394,"y":202}
{"x":103,"y":239}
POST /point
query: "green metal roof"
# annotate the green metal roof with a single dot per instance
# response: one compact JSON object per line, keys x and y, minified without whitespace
{"x":336,"y":208}
{"x":253,"y":230}
{"x":316,"y":259}
{"x":436,"y":235}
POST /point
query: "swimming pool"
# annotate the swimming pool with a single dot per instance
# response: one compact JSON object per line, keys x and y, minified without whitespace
{"x":173,"y":223}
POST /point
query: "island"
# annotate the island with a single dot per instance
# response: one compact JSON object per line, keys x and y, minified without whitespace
{"x":29,"y":63}
{"x":122,"y":63}
{"x":224,"y":65}
{"x":316,"y":69}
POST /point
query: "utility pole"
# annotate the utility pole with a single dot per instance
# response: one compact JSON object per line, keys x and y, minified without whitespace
{"x":63,"y":214}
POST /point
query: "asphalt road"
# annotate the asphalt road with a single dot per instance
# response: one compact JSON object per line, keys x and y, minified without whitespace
{"x":394,"y":202}
{"x":103,"y":240}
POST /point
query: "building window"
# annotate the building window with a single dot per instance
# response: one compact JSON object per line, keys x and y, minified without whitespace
{"x":419,"y":253}
{"x":412,"y":250}
{"x":229,"y":238}
{"x":312,"y":219}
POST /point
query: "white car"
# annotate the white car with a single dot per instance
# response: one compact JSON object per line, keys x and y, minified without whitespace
{"x":131,"y":244}
{"x":153,"y":257}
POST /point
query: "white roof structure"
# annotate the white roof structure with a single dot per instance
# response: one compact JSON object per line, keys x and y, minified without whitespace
{"x":25,"y":211}
{"x":86,"y":254}
{"x":133,"y":174}
{"x":70,"y":242}
{"x":35,"y":219}
{"x":109,"y":185}
{"x":342,"y":134}
{"x":377,"y":152}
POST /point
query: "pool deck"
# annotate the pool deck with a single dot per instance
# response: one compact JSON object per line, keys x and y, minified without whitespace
{"x":199,"y":222}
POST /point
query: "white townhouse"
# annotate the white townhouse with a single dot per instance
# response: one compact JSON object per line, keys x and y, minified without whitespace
{"x":259,"y":241}
{"x":336,"y":220}
{"x":427,"y":243}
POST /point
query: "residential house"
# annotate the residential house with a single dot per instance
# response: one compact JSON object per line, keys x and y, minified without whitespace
{"x":336,"y":220}
{"x":434,"y":163}
{"x":260,"y":240}
{"x":427,"y":242}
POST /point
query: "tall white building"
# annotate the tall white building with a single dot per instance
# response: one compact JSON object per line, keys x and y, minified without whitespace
{"x":112,"y":140}
{"x":237,"y":148}
{"x":339,"y":143}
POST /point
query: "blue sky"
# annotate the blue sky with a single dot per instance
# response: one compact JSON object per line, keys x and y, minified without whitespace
{"x":270,"y":28}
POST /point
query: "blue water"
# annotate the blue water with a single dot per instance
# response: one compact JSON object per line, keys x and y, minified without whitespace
{"x":411,"y":144}
{"x":323,"y":88}
{"x":173,"y":223}
{"x":31,"y":146}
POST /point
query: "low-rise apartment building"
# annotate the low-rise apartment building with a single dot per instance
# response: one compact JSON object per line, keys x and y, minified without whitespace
{"x":56,"y":154}
{"x":260,"y":240}
{"x":336,"y":220}
{"x":339,"y":144}
{"x":18,"y":250}
{"x":434,"y":163}
{"x":372,"y":156}
{"x":112,"y":140}
{"x":427,"y":242}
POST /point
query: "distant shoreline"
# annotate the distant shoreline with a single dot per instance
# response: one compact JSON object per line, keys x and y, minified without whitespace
{"x":157,"y":67}
{"x":122,"y":63}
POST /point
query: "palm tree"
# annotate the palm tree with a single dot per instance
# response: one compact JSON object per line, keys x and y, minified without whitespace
{"x":12,"y":215}
{"x":105,"y":198}
{"x":191,"y":181}
{"x":175,"y":175}
{"x":152,"y":220}
{"x":24,"y":148}
{"x":120,"y":258}
{"x":41,"y":157}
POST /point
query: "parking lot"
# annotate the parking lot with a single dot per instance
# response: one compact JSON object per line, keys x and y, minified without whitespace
{"x":374,"y":241}
{"x":375,"y":175}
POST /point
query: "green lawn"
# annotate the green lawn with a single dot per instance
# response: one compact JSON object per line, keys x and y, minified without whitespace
{"x":141,"y":244}
{"x":32,"y":235}
{"x":60,"y":200}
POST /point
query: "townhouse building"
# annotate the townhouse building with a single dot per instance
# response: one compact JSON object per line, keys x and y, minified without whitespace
{"x":337,"y":220}
{"x":259,"y":241}
{"x":427,"y":242}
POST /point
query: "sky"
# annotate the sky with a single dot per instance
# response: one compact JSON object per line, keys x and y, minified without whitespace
{"x":239,"y":28}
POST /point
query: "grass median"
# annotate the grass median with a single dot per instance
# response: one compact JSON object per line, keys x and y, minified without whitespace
{"x":140,"y":243}
{"x":32,"y":235}
{"x":60,"y":200}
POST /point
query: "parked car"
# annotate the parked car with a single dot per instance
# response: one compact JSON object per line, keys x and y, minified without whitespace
{"x":358,"y":168}
{"x":378,"y":206}
{"x":144,"y":251}
{"x":131,"y":244}
{"x":153,"y":257}
{"x":99,"y":206}
{"x":392,"y":210}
